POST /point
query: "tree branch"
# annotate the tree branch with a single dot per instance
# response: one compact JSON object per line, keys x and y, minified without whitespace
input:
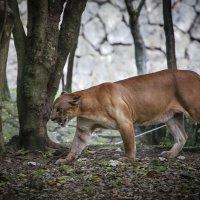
{"x":140,"y":7}
{"x":69,"y":27}
{"x":140,"y":49}
{"x":134,"y":13}
{"x":169,"y":35}
{"x":3,"y":16}
{"x":19,"y":36}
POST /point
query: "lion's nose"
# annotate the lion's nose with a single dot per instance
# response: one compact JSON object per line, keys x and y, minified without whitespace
{"x":53,"y":119}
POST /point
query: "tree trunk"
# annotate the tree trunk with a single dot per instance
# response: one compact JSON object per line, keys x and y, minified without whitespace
{"x":6,"y":92}
{"x":140,"y":49}
{"x":68,"y":86}
{"x":3,"y":14}
{"x":69,"y":28}
{"x":40,"y":69}
{"x":169,"y":35}
{"x":5,"y":32}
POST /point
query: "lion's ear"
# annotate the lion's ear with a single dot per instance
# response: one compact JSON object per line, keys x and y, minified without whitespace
{"x":63,"y":92}
{"x":75,"y":101}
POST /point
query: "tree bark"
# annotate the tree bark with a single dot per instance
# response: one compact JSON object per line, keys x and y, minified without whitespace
{"x":68,"y":86}
{"x":6,"y":91}
{"x":6,"y":26}
{"x":169,"y":35}
{"x":140,"y":49}
{"x":3,"y":14}
{"x":70,"y":25}
{"x":40,"y":68}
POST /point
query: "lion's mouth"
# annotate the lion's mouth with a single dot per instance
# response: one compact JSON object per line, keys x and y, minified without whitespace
{"x":63,"y":122}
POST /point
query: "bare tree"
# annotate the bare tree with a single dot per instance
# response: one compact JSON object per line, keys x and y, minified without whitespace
{"x":169,"y":35}
{"x":134,"y":8}
{"x":42,"y":54}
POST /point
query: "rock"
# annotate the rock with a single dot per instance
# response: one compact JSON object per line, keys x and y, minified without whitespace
{"x":94,"y":32}
{"x":122,"y":64}
{"x":189,"y":2}
{"x":195,"y":68}
{"x":182,"y":63}
{"x":100,"y":72}
{"x":84,"y":47}
{"x":162,"y":159}
{"x":195,"y":30}
{"x":183,"y":16}
{"x":193,"y":50}
{"x":181,"y":157}
{"x":33,"y":163}
{"x":153,"y":15}
{"x":118,"y":150}
{"x":102,"y":1}
{"x":82,"y":159}
{"x":81,"y":81}
{"x":143,"y":17}
{"x":197,"y":7}
{"x":151,"y":4}
{"x":114,"y":163}
{"x":157,"y":60}
{"x":174,"y":1}
{"x":86,"y":16}
{"x":55,"y":136}
{"x":153,"y":36}
{"x":90,"y":12}
{"x":126,"y":17}
{"x":85,"y":65}
{"x":182,"y":40}
{"x":116,"y":66}
{"x":111,"y":16}
{"x":121,"y":35}
{"x":106,"y":48}
{"x":92,"y":8}
{"x":120,"y":4}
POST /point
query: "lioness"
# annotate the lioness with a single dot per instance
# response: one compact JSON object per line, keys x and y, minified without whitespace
{"x":143,"y":100}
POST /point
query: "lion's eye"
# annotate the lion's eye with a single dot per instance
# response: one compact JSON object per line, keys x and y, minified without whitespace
{"x":58,"y":109}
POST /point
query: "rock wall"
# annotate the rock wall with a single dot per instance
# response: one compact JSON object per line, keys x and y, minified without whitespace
{"x":105,"y":48}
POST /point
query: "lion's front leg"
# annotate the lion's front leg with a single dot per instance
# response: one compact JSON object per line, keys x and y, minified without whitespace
{"x":128,"y":137}
{"x":79,"y":143}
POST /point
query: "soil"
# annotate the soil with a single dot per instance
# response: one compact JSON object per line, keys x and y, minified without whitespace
{"x":99,"y":174}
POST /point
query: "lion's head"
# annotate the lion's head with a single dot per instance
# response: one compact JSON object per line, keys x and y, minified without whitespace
{"x":65,"y":108}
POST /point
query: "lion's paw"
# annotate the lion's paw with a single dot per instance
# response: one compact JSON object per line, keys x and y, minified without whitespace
{"x":62,"y":162}
{"x":168,"y":154}
{"x":126,"y":159}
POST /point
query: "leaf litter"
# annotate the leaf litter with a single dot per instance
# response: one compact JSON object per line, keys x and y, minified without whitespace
{"x":98,"y":174}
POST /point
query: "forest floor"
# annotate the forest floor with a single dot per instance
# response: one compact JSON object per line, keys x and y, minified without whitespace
{"x":98,"y":174}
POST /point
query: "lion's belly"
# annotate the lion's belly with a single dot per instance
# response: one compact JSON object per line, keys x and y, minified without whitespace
{"x":103,"y":122}
{"x":156,"y":120}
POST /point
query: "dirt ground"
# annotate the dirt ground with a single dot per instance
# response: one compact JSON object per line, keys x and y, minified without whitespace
{"x":98,"y":174}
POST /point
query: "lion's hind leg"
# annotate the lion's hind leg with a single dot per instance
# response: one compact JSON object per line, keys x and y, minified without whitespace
{"x":179,"y":136}
{"x":195,"y":114}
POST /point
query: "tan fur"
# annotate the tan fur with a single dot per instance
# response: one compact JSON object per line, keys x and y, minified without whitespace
{"x":148,"y":99}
